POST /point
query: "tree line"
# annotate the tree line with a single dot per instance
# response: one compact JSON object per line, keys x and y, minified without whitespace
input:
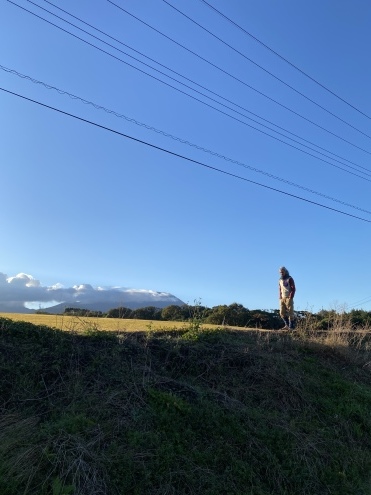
{"x":229,"y":315}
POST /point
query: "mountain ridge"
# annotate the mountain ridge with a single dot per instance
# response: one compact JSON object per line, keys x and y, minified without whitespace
{"x":105,"y":306}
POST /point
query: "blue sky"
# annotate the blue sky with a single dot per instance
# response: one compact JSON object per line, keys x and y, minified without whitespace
{"x":85,"y":205}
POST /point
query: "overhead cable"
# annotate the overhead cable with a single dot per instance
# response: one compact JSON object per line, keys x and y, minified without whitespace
{"x":193,"y":97}
{"x":199,"y":85}
{"x":179,"y":82}
{"x":265,"y":70}
{"x":209,"y":167}
{"x":175,"y":138}
{"x":234,"y":77}
{"x":284,"y":59}
{"x":361,"y":302}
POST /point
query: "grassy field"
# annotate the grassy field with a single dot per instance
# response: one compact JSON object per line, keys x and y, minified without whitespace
{"x":193,"y":411}
{"x":80,"y":324}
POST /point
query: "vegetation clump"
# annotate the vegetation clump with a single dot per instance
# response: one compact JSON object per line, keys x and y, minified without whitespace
{"x":232,"y":315}
{"x":189,"y":411}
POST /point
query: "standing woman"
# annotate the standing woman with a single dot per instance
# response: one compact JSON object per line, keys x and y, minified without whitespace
{"x":286,"y":293}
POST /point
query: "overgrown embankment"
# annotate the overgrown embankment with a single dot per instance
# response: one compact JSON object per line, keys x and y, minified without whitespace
{"x":183,"y":412}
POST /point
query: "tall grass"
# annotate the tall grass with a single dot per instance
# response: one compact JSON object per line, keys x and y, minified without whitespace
{"x":352,"y":344}
{"x":184,"y":411}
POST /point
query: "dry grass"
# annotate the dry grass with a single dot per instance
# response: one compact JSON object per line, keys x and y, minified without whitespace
{"x":86,"y":413}
{"x":81,"y":324}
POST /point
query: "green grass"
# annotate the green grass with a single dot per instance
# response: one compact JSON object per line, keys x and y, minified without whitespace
{"x":189,"y":411}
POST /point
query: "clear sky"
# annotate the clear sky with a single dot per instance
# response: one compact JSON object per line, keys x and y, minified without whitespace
{"x":83,"y":204}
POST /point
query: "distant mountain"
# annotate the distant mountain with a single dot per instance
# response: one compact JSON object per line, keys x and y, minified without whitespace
{"x":131,"y":300}
{"x":15,"y":307}
{"x":16,"y":293}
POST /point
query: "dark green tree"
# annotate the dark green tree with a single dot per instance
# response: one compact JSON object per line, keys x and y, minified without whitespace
{"x":233,"y":315}
{"x":174,"y":313}
{"x":82,"y":312}
{"x":360,"y":318}
{"x":147,"y":313}
{"x":120,"y":312}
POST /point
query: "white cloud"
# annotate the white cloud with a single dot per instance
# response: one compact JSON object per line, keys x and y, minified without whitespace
{"x":56,"y":286}
{"x":83,"y":287}
{"x":24,"y":290}
{"x":22,"y":279}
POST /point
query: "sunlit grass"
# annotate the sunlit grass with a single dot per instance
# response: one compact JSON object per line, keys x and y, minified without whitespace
{"x":79,"y":324}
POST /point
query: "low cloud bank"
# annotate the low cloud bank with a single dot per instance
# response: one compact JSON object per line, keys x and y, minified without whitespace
{"x":24,"y":291}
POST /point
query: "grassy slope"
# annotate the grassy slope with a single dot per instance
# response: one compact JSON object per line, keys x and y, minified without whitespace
{"x":190,"y":412}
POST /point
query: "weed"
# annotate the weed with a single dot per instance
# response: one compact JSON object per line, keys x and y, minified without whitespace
{"x":186,"y":411}
{"x":58,"y":488}
{"x":195,"y":322}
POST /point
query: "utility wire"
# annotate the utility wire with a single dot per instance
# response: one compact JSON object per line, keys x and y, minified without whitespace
{"x":360,"y":302}
{"x":266,"y":70}
{"x":209,"y":167}
{"x":197,"y":84}
{"x":284,"y":59}
{"x":234,"y":77}
{"x":175,"y":138}
{"x":187,"y":94}
{"x":179,"y":82}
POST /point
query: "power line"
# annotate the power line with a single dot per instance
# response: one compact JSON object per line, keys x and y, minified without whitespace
{"x":175,"y":138}
{"x":185,"y":93}
{"x":234,"y":77}
{"x":199,"y":85}
{"x":266,"y":70}
{"x":284,"y":59}
{"x":209,"y":167}
{"x":203,"y":87}
{"x":360,"y":302}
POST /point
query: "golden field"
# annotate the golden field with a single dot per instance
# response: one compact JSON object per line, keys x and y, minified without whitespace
{"x":81,"y":324}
